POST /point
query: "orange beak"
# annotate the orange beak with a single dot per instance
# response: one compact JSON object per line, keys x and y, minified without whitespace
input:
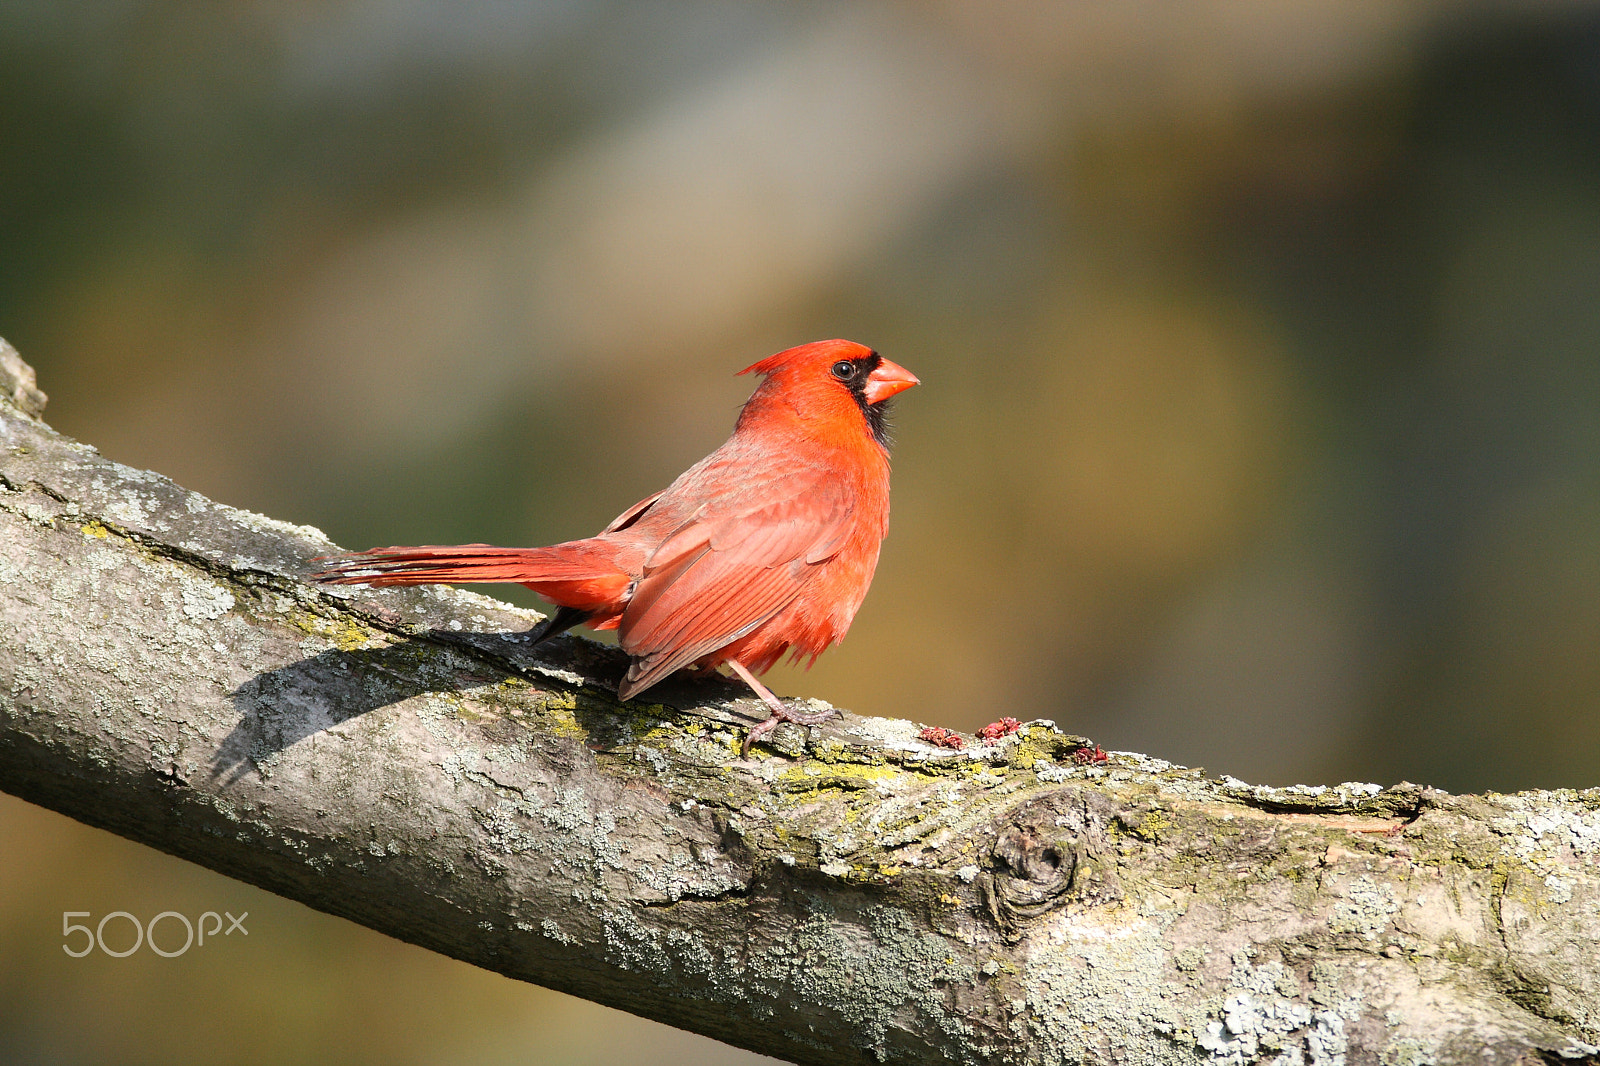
{"x":887,"y":380}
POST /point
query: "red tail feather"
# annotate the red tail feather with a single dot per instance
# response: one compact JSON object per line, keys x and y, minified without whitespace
{"x":582,"y":573}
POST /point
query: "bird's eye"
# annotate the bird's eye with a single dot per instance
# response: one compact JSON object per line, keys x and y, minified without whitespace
{"x":844,"y":370}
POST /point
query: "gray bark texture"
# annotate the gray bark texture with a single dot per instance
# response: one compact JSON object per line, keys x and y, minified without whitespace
{"x":849,"y":893}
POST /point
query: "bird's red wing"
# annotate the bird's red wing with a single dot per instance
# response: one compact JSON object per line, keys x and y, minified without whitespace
{"x":728,"y":571}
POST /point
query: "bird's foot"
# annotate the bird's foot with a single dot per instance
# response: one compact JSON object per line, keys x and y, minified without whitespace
{"x":779,"y":714}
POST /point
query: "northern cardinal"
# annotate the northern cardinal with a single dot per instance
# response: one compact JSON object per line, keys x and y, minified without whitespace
{"x":765,"y":546}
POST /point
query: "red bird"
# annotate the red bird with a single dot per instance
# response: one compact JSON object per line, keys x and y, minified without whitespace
{"x":764,"y":547}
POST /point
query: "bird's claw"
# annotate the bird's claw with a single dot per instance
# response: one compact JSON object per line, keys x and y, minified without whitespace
{"x":780,"y":714}
{"x":813,"y":718}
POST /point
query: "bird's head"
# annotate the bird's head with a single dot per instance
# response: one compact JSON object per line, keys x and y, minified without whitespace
{"x":829,"y":379}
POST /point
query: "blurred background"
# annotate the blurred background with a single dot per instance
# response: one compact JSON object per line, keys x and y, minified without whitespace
{"x":1260,"y":425}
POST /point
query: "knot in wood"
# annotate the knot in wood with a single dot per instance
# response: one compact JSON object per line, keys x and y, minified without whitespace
{"x":1050,"y":853}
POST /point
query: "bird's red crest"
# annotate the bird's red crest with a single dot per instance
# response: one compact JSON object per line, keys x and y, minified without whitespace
{"x":817,"y":352}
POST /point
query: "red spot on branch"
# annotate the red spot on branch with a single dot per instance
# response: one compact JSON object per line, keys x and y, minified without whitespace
{"x":1003,"y":728}
{"x":943,"y":737}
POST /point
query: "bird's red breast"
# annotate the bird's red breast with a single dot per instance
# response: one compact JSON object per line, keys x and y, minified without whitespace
{"x":764,"y":547}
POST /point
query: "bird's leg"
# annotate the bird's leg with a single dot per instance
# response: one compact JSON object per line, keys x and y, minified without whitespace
{"x":780,"y":713}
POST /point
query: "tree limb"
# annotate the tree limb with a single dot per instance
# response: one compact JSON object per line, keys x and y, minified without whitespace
{"x":398,"y":757}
